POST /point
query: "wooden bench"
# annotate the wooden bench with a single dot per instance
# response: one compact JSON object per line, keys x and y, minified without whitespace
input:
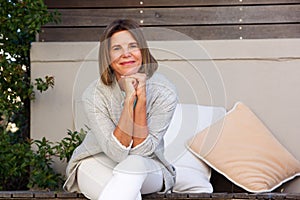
{"x":223,"y":190}
{"x":24,"y":195}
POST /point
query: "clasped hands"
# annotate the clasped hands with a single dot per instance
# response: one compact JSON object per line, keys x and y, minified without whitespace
{"x":134,"y":86}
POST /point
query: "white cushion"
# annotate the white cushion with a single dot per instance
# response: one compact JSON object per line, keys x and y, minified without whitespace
{"x":192,"y":174}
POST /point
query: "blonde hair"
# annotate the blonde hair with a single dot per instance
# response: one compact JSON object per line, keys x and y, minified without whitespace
{"x":149,"y":63}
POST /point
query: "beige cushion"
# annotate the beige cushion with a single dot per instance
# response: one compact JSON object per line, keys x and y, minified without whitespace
{"x":241,"y":148}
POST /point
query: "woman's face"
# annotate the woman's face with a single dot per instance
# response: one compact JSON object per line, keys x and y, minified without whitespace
{"x":125,"y":54}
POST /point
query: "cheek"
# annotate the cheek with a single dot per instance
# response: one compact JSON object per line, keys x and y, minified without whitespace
{"x":113,"y":61}
{"x":113,"y":57}
{"x":138,"y":56}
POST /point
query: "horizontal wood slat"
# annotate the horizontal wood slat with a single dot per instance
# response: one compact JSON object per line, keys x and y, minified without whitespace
{"x":156,"y":3}
{"x":183,"y":15}
{"x":194,"y":32}
{"x":29,"y":195}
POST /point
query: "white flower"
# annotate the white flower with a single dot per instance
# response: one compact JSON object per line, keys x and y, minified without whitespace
{"x":12,"y":127}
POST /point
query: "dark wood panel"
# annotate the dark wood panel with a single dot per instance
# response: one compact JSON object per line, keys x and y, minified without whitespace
{"x":194,"y":32}
{"x":270,"y":31}
{"x":183,"y":15}
{"x":156,"y":3}
{"x":69,"y":34}
{"x":239,"y":31}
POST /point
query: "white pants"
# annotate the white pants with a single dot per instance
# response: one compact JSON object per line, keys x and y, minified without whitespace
{"x":101,"y":178}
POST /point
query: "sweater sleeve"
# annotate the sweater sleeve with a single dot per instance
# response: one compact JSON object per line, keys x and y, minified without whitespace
{"x":102,"y":126}
{"x":162,"y":106}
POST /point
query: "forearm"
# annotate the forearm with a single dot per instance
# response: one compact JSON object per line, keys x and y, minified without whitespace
{"x":140,"y":126}
{"x":124,"y":131}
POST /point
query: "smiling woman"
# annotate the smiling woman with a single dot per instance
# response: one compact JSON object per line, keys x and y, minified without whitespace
{"x":129,"y":109}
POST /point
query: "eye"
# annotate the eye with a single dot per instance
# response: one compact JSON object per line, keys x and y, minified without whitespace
{"x":116,"y":48}
{"x":133,"y":46}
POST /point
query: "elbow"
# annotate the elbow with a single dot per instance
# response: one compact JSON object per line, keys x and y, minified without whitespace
{"x":146,"y":149}
{"x":117,"y":157}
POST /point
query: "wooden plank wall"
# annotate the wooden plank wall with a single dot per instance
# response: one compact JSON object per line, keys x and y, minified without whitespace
{"x":84,"y":20}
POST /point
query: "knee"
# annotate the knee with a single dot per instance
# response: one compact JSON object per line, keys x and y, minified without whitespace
{"x":133,"y":164}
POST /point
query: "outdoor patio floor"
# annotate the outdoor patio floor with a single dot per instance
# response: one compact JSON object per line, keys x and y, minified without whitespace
{"x":24,"y":195}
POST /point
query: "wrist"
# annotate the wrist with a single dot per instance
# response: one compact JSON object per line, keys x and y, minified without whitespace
{"x":141,"y":95}
{"x":129,"y":101}
{"x":141,"y":100}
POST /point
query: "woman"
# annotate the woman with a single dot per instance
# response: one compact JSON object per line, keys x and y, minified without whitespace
{"x":129,"y":110}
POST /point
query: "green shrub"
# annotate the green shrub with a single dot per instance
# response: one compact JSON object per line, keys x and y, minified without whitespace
{"x":33,"y":159}
{"x":67,"y":145}
{"x":15,"y":158}
{"x":20,"y":21}
{"x":42,"y":176}
{"x":20,"y":166}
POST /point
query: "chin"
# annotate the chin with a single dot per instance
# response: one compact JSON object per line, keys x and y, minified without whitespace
{"x":132,"y":71}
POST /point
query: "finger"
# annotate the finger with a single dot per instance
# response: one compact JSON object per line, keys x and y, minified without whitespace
{"x":139,"y":76}
{"x":130,"y":83}
{"x":134,"y":82}
{"x":140,"y":82}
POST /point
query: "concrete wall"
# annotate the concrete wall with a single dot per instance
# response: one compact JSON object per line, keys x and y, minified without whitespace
{"x":264,"y":74}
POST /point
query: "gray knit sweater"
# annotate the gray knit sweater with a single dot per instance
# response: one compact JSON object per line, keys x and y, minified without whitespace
{"x":103,"y":106}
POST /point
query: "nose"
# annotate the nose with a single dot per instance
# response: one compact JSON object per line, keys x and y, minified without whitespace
{"x":126,"y":52}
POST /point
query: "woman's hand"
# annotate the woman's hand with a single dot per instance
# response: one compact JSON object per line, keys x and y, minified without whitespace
{"x":140,"y":85}
{"x":129,"y":86}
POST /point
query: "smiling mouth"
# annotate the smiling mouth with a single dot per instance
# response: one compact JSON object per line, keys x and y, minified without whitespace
{"x":127,"y":63}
